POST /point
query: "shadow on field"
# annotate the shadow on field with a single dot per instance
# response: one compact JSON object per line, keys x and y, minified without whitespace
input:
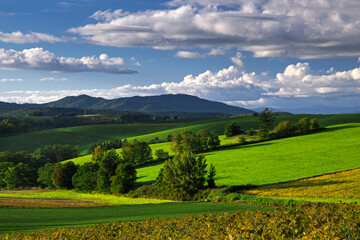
{"x":337,"y":128}
{"x":227,"y":148}
{"x":304,"y":184}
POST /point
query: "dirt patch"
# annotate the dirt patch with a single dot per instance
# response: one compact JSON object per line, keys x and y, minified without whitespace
{"x":45,"y":203}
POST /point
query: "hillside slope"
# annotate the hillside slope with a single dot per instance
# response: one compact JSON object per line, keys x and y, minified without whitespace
{"x":179,"y":102}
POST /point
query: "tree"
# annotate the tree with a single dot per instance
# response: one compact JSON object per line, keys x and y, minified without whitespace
{"x":20,"y":175}
{"x":314,"y":124}
{"x":200,"y":142}
{"x":207,"y":140}
{"x":97,"y":154}
{"x":183,"y":176}
{"x":304,"y":125}
{"x":161,"y":154}
{"x":266,"y":119}
{"x":4,"y":167}
{"x":232,"y":129}
{"x":62,"y":175}
{"x":124,"y":179}
{"x":284,"y":129}
{"x":107,"y":168}
{"x":137,"y":153}
{"x":45,"y":173}
{"x":210,"y":178}
{"x":85,"y":179}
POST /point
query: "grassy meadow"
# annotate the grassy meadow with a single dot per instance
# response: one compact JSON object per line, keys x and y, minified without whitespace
{"x":83,"y":136}
{"x":32,"y":219}
{"x":331,"y":150}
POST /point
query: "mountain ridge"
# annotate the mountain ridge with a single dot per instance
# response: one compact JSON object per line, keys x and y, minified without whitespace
{"x":147,"y":104}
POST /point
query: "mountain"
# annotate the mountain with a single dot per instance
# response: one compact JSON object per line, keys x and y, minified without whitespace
{"x":170,"y":102}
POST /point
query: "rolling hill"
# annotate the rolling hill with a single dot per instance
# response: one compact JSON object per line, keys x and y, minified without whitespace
{"x":170,"y":102}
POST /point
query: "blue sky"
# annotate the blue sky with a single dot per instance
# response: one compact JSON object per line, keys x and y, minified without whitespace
{"x":293,"y":55}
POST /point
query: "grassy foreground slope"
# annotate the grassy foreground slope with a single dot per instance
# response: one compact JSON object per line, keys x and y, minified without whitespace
{"x":32,"y":219}
{"x":335,"y":149}
{"x":85,"y":135}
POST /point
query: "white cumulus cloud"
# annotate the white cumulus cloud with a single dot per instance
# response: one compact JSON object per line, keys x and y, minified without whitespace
{"x":40,"y":59}
{"x":269,"y":28}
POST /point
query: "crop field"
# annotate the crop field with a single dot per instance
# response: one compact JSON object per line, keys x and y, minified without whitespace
{"x":342,"y":185}
{"x":310,"y":221}
{"x":332,"y":150}
{"x":85,"y":135}
{"x":32,"y":219}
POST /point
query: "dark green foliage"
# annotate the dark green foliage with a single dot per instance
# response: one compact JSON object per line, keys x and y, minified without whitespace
{"x":266,"y":119}
{"x":4,"y":166}
{"x":284,"y":129}
{"x":232,"y":129}
{"x":161,"y":154}
{"x":200,"y":142}
{"x":314,"y":124}
{"x":44,"y":174}
{"x":124,"y":179}
{"x":211,"y":175}
{"x":250,"y":132}
{"x":21,"y":175}
{"x":97,"y":154}
{"x":113,"y":144}
{"x":85,"y":179}
{"x":304,"y":125}
{"x":62,"y":175}
{"x":183,"y":176}
{"x":107,"y":168}
{"x":55,"y":153}
{"x":137,"y":153}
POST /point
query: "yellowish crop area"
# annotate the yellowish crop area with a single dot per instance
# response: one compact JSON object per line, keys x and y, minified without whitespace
{"x":343,"y":185}
{"x":96,"y":198}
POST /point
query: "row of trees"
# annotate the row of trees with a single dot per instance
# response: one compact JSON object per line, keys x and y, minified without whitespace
{"x":303,"y":126}
{"x":200,"y":142}
{"x":20,"y":169}
{"x":9,"y":126}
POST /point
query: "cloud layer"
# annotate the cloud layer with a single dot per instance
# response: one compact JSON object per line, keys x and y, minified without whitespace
{"x":39,"y":59}
{"x":34,"y":37}
{"x":297,"y":84}
{"x":269,"y":28}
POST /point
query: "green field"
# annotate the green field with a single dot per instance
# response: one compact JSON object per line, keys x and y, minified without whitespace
{"x":85,"y":135}
{"x":331,"y":150}
{"x":29,"y":220}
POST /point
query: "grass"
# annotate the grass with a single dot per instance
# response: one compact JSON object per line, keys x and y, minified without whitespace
{"x":29,"y":220}
{"x":342,"y":185}
{"x":332,"y":150}
{"x":85,"y":135}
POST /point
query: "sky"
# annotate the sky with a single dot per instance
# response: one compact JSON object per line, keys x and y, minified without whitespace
{"x":295,"y":55}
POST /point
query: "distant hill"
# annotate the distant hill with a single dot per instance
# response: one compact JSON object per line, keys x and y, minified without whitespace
{"x":162,"y":103}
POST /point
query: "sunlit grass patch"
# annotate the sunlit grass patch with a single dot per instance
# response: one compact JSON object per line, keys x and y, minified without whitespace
{"x":91,"y":197}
